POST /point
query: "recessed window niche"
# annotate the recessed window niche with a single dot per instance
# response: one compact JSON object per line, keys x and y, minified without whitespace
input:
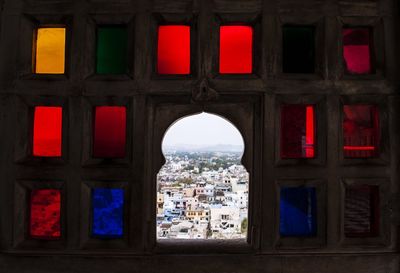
{"x":298,"y":49}
{"x":173,"y":50}
{"x":45,"y":214}
{"x":298,"y":131}
{"x":50,"y":50}
{"x":357,"y":50}
{"x":361,"y":214}
{"x":47,"y":131}
{"x":108,"y":208}
{"x":111,"y":49}
{"x":298,"y":212}
{"x":235,"y":49}
{"x":360,"y":131}
{"x":109,"y":139}
{"x":202,"y":190}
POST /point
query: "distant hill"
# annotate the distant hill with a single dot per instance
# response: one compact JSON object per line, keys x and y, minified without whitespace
{"x":204,"y":148}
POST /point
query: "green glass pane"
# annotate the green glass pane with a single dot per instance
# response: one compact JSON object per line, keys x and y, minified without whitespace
{"x":111,"y":50}
{"x":298,"y":49}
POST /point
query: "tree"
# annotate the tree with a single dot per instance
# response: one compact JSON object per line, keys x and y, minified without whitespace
{"x":243,"y":226}
{"x":209,"y":231}
{"x":185,"y":181}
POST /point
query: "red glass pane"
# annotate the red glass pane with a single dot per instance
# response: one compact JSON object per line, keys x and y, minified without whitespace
{"x":360,"y":131}
{"x":361,"y":215}
{"x":45,"y":212}
{"x":47,"y":130}
{"x":109,"y":132}
{"x":297,"y":131}
{"x":356,"y":50}
{"x":236,"y":49}
{"x":173,"y":56}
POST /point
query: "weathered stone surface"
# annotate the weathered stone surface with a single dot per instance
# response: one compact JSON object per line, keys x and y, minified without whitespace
{"x":250,"y":102}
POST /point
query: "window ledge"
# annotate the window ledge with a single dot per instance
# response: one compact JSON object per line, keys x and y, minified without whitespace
{"x":203,"y":246}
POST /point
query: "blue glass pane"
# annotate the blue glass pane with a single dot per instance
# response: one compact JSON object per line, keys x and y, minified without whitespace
{"x":107,"y":212}
{"x":298,"y":212}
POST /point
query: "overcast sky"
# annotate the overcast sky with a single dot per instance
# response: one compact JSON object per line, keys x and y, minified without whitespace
{"x":202,"y":129}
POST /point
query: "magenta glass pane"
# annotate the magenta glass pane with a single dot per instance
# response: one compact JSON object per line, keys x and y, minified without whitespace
{"x":356,"y":50}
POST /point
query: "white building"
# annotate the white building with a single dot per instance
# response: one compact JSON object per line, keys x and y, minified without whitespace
{"x":225,"y":222}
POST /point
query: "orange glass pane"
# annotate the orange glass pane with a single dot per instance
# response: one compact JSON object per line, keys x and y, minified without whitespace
{"x":50,"y":51}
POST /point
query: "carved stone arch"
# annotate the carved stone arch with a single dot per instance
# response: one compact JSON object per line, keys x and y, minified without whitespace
{"x":243,"y":113}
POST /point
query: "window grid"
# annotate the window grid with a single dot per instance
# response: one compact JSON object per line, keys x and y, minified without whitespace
{"x":139,"y":104}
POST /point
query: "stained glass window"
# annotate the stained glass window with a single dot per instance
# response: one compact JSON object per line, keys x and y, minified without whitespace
{"x":298,"y":52}
{"x":50,"y":51}
{"x":108,"y":207}
{"x":360,"y":131}
{"x":45,"y":213}
{"x":173,"y":52}
{"x":297,"y":131}
{"x":361,"y":214}
{"x":109,"y":131}
{"x":298,"y":212}
{"x":236,"y":49}
{"x":47,"y":131}
{"x":356,"y":50}
{"x":111,"y":50}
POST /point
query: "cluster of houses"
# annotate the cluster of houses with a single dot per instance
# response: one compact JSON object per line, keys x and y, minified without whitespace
{"x":201,"y":203}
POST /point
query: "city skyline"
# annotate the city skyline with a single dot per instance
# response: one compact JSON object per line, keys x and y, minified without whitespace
{"x":202,"y":196}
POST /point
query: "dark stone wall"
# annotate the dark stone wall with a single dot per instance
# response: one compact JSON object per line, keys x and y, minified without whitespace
{"x":154,"y":102}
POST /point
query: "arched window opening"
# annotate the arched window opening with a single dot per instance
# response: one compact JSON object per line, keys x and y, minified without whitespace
{"x":202,"y":190}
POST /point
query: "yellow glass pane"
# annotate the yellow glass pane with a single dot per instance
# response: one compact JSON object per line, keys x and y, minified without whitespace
{"x":50,"y":51}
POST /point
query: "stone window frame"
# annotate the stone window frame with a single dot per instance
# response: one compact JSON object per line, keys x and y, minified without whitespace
{"x":236,"y":110}
{"x":187,"y":19}
{"x":21,"y":238}
{"x":88,"y":107}
{"x":381,"y":103}
{"x":92,"y":23}
{"x":320,"y":132}
{"x":143,"y":91}
{"x":29,"y":25}
{"x":383,"y":239}
{"x":296,"y":243}
{"x":377,"y":48}
{"x":87,"y":241}
{"x":23,"y":147}
{"x":228,"y":19}
{"x":319,"y":30}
